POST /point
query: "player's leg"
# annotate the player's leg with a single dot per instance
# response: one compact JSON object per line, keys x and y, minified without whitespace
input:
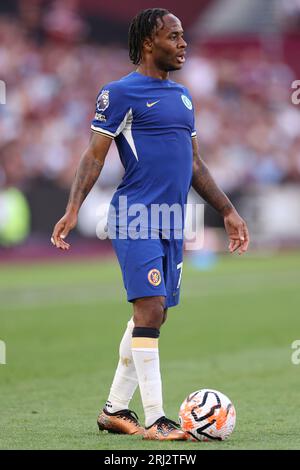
{"x":172,"y":278}
{"x":116,"y":417}
{"x":149,"y":315}
{"x":141,"y":262}
{"x":122,"y":389}
{"x":133,"y":256}
{"x":125,"y":380}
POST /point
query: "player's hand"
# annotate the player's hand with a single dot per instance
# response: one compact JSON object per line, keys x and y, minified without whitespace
{"x":62,"y":229}
{"x":237,"y":232}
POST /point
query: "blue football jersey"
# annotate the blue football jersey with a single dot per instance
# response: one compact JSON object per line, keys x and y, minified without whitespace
{"x":152,"y":122}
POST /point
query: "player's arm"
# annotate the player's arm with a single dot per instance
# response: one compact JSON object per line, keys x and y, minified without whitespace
{"x":206,"y":187}
{"x":88,"y":171}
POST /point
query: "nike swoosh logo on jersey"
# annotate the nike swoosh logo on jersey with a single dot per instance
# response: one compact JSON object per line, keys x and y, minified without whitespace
{"x":152,"y":104}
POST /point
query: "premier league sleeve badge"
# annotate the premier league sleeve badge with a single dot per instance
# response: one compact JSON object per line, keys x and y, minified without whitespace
{"x":103,"y":101}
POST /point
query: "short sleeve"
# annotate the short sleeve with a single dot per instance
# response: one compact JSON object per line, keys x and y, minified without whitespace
{"x":193,"y":129}
{"x":193,"y":133}
{"x":190,"y":105}
{"x":111,"y":111}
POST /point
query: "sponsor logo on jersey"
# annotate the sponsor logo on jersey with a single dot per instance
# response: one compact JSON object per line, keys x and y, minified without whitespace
{"x":154,"y":277}
{"x":187,"y":102}
{"x":103,"y":101}
{"x":149,"y":105}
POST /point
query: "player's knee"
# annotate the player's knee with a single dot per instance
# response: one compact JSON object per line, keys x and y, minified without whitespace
{"x":149,"y":312}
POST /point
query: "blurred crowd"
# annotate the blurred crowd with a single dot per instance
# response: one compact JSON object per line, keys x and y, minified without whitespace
{"x":288,"y":14}
{"x":248,"y":128}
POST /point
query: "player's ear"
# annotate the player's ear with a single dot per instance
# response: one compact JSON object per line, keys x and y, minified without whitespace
{"x":148,"y":44}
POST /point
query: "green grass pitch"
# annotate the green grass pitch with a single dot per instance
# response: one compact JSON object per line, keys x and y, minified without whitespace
{"x":233,"y":331}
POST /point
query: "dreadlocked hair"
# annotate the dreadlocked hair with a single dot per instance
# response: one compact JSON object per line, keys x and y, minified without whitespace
{"x":142,"y":27}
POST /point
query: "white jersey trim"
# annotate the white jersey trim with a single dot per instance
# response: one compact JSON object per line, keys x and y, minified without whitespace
{"x":102,"y":131}
{"x":126,"y":131}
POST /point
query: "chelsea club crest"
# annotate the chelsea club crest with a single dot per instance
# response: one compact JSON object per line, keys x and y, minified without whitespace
{"x":187,"y":102}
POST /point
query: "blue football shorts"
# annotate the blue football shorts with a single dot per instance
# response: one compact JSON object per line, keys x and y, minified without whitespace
{"x":151,"y":267}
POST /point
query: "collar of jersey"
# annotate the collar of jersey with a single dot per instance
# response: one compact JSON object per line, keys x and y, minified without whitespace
{"x":159,"y":80}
